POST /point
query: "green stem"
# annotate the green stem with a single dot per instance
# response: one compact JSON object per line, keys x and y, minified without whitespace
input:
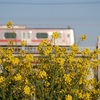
{"x":3,"y":94}
{"x":79,"y":42}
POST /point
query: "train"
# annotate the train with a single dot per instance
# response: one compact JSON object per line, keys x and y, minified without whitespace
{"x":34,"y":36}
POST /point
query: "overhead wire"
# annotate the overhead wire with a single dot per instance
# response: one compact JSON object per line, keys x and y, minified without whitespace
{"x":50,"y":3}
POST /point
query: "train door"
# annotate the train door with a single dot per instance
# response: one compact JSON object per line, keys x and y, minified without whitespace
{"x":68,"y":35}
{"x":66,"y":38}
{"x":59,"y":41}
{"x":27,"y":37}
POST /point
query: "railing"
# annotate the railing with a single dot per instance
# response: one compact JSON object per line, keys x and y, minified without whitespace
{"x":33,"y":49}
{"x":90,"y":48}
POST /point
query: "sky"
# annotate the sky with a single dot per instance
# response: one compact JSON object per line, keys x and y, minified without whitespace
{"x":81,"y":15}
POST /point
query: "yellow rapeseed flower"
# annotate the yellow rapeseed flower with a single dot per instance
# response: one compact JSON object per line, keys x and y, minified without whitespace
{"x":9,"y":68}
{"x":80,"y":95}
{"x":83,"y":37}
{"x":46,"y":83}
{"x":23,"y":42}
{"x":9,"y":24}
{"x":26,"y":81}
{"x":10,"y":42}
{"x":1,"y":79}
{"x":44,"y":41}
{"x":0,"y":61}
{"x":68,"y":97}
{"x":9,"y":51}
{"x":27,"y":90}
{"x":55,"y":35}
{"x":57,"y":48}
{"x":67,"y":78}
{"x":29,"y":57}
{"x":15,"y":61}
{"x":86,"y":96}
{"x":18,"y":77}
{"x":60,"y":61}
{"x":42,"y":74}
{"x":74,"y":48}
{"x":22,"y":52}
{"x":70,"y":59}
{"x":47,"y":50}
{"x":80,"y":81}
{"x":86,"y":51}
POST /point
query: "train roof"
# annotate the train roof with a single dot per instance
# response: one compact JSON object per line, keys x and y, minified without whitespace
{"x":23,"y":27}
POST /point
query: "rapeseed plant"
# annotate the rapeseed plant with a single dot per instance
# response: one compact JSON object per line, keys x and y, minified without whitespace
{"x":57,"y":74}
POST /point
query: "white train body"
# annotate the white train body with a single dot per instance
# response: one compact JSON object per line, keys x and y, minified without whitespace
{"x":34,"y":36}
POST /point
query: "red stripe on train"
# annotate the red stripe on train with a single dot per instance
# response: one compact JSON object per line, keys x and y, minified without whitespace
{"x":39,"y":40}
{"x":6,"y":40}
{"x":9,"y":40}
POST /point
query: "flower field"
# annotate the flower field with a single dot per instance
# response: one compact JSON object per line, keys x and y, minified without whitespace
{"x":57,"y":74}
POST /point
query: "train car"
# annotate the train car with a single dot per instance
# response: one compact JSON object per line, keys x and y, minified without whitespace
{"x":34,"y":36}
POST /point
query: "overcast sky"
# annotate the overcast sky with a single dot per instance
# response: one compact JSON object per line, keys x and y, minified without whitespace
{"x":82,"y":15}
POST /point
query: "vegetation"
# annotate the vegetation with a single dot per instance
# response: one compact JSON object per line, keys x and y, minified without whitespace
{"x":57,"y":74}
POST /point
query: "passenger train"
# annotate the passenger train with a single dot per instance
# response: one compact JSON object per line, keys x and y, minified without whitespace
{"x":34,"y":36}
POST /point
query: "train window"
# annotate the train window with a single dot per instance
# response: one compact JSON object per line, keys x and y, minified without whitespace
{"x":42,"y":35}
{"x":28,"y":35}
{"x":68,"y":35}
{"x":10,"y":35}
{"x":59,"y":35}
{"x":23,"y":35}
